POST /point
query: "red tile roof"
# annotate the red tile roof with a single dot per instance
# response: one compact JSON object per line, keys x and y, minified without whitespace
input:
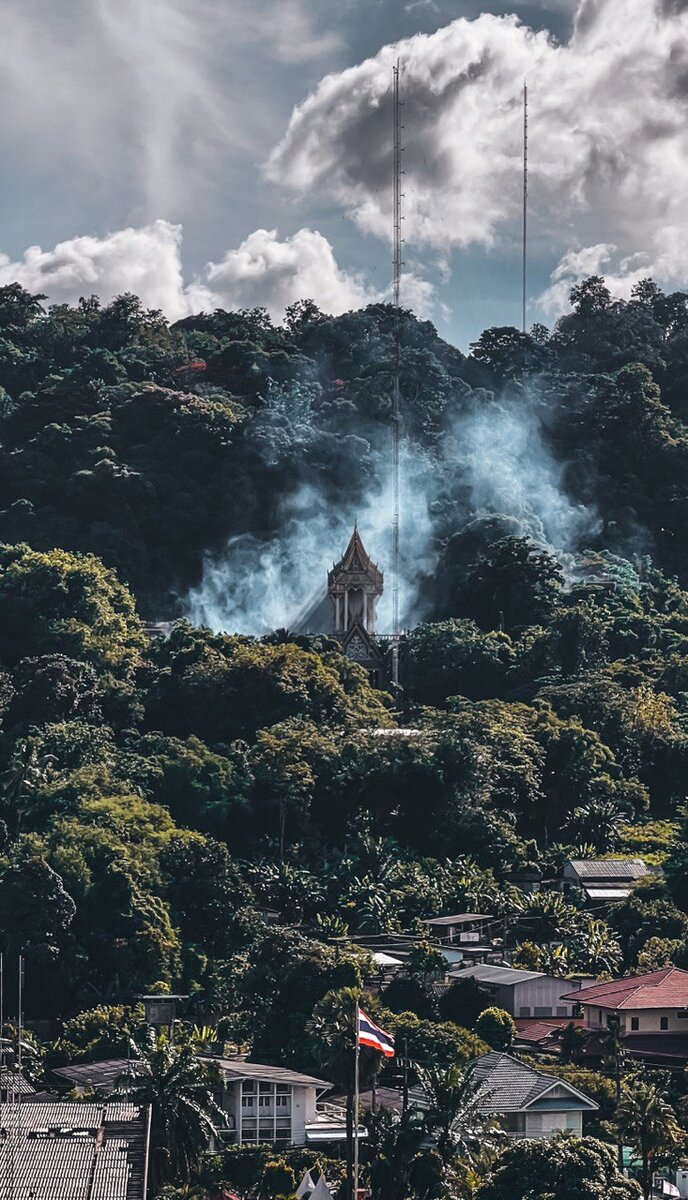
{"x":667,"y":988}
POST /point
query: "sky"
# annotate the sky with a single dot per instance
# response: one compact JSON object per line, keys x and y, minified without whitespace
{"x":232,"y":153}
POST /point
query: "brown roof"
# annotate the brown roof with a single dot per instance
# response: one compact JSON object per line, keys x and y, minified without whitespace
{"x":667,"y":988}
{"x":357,"y":561}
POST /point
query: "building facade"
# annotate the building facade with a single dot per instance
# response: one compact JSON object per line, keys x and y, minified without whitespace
{"x":521,"y":993}
{"x":527,"y":1103}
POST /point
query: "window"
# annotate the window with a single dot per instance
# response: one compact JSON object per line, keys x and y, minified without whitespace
{"x":562,"y":1010}
{"x":635,"y":1023}
{"x":524,"y":1012}
{"x":663,"y":1022}
{"x":544,"y":1011}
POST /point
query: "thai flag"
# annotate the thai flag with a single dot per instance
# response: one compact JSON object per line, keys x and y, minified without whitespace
{"x":370,"y":1034}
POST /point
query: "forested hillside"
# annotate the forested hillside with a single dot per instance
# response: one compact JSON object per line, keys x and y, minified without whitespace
{"x":158,"y":796}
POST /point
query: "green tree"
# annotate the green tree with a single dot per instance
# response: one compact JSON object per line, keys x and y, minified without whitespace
{"x":496,"y":1027}
{"x":184,"y":1115}
{"x":68,"y":604}
{"x":647,"y":1123}
{"x":455,"y":1117}
{"x":565,"y":1167}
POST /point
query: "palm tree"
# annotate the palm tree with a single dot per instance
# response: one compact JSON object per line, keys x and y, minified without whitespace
{"x":647,"y":1123}
{"x":184,"y":1115}
{"x":455,"y":1117}
{"x":393,"y":1145}
{"x":26,"y":774}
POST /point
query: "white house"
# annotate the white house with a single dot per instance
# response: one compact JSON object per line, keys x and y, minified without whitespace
{"x":521,"y":993}
{"x":267,"y":1104}
{"x":527,"y":1103}
{"x":656,"y":1003}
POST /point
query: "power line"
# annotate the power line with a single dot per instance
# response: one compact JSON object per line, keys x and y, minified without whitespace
{"x":525,"y":199}
{"x":396,"y":389}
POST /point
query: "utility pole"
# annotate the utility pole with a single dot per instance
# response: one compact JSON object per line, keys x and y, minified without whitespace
{"x":525,"y":200}
{"x":396,"y":394}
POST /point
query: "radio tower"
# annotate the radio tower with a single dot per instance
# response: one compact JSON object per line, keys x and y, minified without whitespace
{"x":396,"y":397}
{"x":525,"y":198}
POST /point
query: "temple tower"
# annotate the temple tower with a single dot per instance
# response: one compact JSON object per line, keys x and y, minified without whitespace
{"x":354,"y":586}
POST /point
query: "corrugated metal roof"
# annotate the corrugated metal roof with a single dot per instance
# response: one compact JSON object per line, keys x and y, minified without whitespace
{"x":236,"y":1068}
{"x":59,"y":1150}
{"x":609,"y":868}
{"x":488,"y":973}
{"x":12,"y":1081}
{"x":459,"y":919}
{"x":103,"y":1074}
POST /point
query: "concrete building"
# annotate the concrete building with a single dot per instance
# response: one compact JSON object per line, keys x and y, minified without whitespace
{"x":652,"y":1011}
{"x":605,"y":881}
{"x":527,"y":1103}
{"x":274,"y":1104}
{"x":521,"y":993}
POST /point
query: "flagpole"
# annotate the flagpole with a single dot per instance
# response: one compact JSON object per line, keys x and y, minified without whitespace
{"x":356,"y":1103}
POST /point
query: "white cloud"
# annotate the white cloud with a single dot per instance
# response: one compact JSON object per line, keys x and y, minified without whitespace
{"x":609,"y":136}
{"x":263,"y":271}
{"x":145,"y":261}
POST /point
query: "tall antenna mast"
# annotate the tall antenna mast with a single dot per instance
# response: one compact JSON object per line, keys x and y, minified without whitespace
{"x":396,"y":396}
{"x":525,"y":199}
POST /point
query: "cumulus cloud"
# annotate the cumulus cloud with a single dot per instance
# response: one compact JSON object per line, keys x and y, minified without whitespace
{"x":609,"y":145}
{"x":264,"y":271}
{"x":146,"y":261}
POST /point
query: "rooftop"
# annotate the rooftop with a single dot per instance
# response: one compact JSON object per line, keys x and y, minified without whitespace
{"x":667,"y":988}
{"x":508,"y":1085}
{"x":237,"y":1068}
{"x":609,"y":868}
{"x":69,"y":1149}
{"x":103,"y":1075}
{"x":488,"y":973}
{"x":459,"y":919}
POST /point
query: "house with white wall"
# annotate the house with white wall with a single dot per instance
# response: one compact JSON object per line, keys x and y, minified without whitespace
{"x":653,"y":1004}
{"x":519,"y":992}
{"x":267,"y":1104}
{"x":527,"y":1103}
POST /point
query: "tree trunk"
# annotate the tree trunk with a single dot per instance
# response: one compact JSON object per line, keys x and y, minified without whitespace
{"x":647,"y":1186}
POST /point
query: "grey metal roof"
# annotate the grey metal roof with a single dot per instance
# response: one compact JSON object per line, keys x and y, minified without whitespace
{"x":609,"y":868}
{"x":13,"y":1081}
{"x":488,"y":973}
{"x":459,"y":919}
{"x":508,"y":1085}
{"x":236,"y":1068}
{"x":103,"y":1074}
{"x":64,"y":1150}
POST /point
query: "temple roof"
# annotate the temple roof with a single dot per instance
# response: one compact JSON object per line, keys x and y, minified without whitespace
{"x":356,"y":561}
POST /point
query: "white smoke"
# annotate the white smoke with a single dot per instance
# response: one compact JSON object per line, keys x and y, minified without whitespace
{"x":256,"y":586}
{"x":501,"y":455}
